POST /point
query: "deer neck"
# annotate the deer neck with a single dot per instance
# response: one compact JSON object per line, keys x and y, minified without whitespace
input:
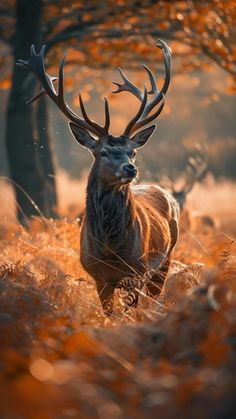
{"x":110,"y":211}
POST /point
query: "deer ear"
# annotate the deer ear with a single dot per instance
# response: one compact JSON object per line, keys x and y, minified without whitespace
{"x":82,"y":136}
{"x":143,"y":136}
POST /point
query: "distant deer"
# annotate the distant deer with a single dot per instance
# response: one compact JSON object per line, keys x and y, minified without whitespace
{"x":127,"y":231}
{"x":194,"y":173}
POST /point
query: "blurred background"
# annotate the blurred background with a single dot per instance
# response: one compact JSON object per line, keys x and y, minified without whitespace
{"x":59,"y":356}
{"x":37,"y":150}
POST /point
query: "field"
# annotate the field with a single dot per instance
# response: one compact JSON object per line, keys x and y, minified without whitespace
{"x":61,"y":357}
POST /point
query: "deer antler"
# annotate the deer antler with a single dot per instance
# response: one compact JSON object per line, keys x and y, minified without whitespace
{"x":142,"y":118}
{"x":196,"y":169}
{"x":194,"y":172}
{"x":36,"y":65}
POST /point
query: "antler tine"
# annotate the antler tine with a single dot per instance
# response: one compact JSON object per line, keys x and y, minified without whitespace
{"x":87,"y":123}
{"x":154,"y":88}
{"x":36,"y":65}
{"x":107,"y":116}
{"x":167,"y":62}
{"x":61,"y":81}
{"x":158,"y":95}
{"x":133,"y":121}
{"x":128,"y":86}
{"x":94,"y":125}
{"x":197,"y":167}
{"x":149,"y":118}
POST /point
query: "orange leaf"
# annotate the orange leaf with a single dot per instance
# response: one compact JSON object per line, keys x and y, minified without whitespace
{"x":5,"y":84}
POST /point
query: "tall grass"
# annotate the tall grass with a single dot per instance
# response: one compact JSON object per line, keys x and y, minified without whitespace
{"x":60,"y":357}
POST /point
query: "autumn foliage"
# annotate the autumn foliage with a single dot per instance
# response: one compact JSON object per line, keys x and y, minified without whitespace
{"x":111,"y":33}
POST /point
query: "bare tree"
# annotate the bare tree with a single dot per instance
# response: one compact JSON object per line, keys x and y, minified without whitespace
{"x":28,"y":148}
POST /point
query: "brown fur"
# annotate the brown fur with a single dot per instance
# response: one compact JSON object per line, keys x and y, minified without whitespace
{"x":127,"y":231}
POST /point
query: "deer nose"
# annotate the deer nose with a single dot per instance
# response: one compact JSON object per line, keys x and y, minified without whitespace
{"x":130,"y":170}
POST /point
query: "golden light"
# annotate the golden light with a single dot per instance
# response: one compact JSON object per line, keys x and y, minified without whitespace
{"x":41,"y":369}
{"x":62,"y":371}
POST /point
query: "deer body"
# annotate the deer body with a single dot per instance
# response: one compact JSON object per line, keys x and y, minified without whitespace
{"x":127,"y":231}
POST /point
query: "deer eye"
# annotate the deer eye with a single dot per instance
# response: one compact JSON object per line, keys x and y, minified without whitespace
{"x":133,"y":154}
{"x":103,"y":153}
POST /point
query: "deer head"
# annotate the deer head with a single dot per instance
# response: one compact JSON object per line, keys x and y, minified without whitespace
{"x":114,"y":156}
{"x":194,"y":172}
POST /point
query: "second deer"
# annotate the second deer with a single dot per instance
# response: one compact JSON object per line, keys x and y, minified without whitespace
{"x":128,"y":231}
{"x":195,"y":172}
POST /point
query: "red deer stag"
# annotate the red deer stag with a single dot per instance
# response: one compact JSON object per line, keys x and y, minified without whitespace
{"x":127,"y":231}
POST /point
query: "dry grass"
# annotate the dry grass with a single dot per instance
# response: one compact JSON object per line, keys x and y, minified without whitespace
{"x":61,"y":357}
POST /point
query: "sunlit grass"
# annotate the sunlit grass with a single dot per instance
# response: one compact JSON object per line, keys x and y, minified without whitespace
{"x":62,"y":357}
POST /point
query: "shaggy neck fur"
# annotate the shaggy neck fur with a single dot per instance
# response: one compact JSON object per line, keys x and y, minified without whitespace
{"x":109,"y":211}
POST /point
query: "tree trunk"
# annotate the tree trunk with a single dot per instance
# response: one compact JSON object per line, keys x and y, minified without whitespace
{"x":45,"y":156}
{"x":22,"y":139}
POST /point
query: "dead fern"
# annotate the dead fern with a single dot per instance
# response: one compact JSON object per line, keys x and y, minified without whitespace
{"x":60,"y":356}
{"x":11,"y":269}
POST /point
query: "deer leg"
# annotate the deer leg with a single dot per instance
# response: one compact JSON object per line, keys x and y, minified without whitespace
{"x":129,"y":284}
{"x":154,"y":286}
{"x":105,"y":293}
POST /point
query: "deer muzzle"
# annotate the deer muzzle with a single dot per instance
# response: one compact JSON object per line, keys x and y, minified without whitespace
{"x":127,"y":173}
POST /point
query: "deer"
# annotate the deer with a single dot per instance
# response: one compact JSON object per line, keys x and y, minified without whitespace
{"x":195,"y":171}
{"x":128,"y":231}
